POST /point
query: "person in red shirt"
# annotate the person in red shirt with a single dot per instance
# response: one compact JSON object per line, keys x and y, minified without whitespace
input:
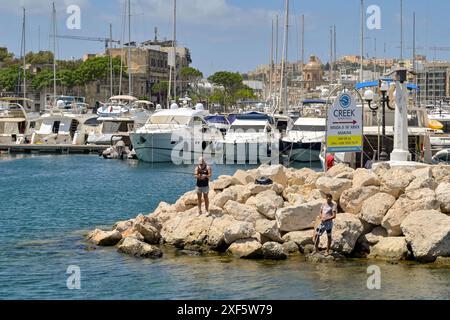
{"x":329,"y":161}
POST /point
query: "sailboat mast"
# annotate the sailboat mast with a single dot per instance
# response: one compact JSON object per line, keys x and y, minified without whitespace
{"x":110,"y":62}
{"x":331,"y":56}
{"x":174,"y":44}
{"x":24,"y":59}
{"x":361,"y":72}
{"x":401,"y":30}
{"x":303,"y":40}
{"x":130,"y":89}
{"x":54,"y":54}
{"x":271,"y":64}
{"x":283,"y":84}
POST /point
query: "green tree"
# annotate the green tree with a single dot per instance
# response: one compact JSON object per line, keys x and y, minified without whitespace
{"x":230,"y":81}
{"x":41,"y":57}
{"x":43,"y":79}
{"x":160,"y":89}
{"x":245,"y":93}
{"x":9,"y":77}
{"x":190,"y":74}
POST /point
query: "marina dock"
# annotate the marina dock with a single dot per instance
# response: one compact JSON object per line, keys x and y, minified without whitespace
{"x":52,"y":149}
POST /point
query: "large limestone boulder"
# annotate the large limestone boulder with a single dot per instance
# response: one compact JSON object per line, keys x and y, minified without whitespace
{"x":239,"y":230}
{"x":346,"y":230}
{"x":320,"y":257}
{"x":254,"y":188}
{"x":292,"y":195}
{"x":376,"y":235}
{"x":149,"y":231}
{"x":242,"y":212}
{"x":267,"y":203}
{"x":428,"y":234}
{"x":333,"y":186}
{"x":186,"y":228}
{"x":138,"y":248}
{"x":352,"y":199}
{"x":145,"y":227}
{"x":338,"y":169}
{"x":246,"y":249}
{"x":105,"y":238}
{"x":273,"y":251}
{"x":443,"y":196}
{"x":215,"y":236}
{"x":241,"y":191}
{"x":381,"y":168}
{"x":365,"y":178}
{"x":298,"y":177}
{"x":391,"y":248}
{"x":268,"y":230}
{"x":275,"y":172}
{"x":299,"y":217}
{"x":395,"y":181}
{"x":301,"y":238}
{"x":243,"y":177}
{"x":423,"y":199}
{"x":223,"y":197}
{"x":224,"y":182}
{"x":441,"y":173}
{"x":122,"y":226}
{"x":290,"y":247}
{"x":164,"y":212}
{"x":423,"y":179}
{"x":375,"y":208}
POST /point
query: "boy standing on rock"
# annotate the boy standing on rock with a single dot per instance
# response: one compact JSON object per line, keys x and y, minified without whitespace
{"x":202,"y":174}
{"x":327,"y":214}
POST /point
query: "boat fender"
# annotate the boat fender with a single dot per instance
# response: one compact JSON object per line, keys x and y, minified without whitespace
{"x":264,"y":181}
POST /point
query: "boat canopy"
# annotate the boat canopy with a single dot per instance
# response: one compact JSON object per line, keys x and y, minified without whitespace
{"x":314,"y":101}
{"x":250,"y":116}
{"x":180,"y":116}
{"x":218,"y":118}
{"x":123,"y":97}
{"x":376,"y":83}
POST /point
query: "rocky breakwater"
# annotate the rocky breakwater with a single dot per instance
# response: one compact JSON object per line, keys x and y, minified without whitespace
{"x":386,"y":213}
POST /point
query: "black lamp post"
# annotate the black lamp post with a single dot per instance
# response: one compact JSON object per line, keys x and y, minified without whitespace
{"x":385,"y":103}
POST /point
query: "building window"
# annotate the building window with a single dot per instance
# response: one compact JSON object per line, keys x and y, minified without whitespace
{"x":98,"y":89}
{"x":153,"y":63}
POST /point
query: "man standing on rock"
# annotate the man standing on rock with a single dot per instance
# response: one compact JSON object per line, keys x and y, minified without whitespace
{"x":328,"y":213}
{"x":202,"y":174}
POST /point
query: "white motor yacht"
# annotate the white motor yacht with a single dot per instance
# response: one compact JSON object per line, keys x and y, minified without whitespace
{"x":252,"y":137}
{"x":174,"y":135}
{"x":16,"y":125}
{"x":118,"y":118}
{"x":60,"y":127}
{"x":303,"y":141}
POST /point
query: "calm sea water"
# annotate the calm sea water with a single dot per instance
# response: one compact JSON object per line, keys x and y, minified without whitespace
{"x":48,"y":202}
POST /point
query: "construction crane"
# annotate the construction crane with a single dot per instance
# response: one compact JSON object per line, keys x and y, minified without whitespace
{"x":105,"y":40}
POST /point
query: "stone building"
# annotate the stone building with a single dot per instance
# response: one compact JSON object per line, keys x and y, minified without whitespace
{"x":312,"y":74}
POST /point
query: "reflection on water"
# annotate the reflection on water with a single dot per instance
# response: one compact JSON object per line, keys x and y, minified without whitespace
{"x":48,"y":204}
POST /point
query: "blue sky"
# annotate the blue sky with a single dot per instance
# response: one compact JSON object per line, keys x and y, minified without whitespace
{"x":231,"y":34}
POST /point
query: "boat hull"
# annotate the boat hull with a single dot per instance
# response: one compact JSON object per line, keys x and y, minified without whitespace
{"x":303,"y":152}
{"x":163,"y":147}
